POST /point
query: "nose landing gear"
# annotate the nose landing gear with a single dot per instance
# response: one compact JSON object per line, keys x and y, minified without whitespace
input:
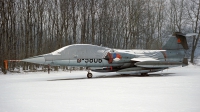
{"x":89,"y":75}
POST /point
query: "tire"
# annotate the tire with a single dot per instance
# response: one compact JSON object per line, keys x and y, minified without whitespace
{"x":144,"y":74}
{"x":89,"y":75}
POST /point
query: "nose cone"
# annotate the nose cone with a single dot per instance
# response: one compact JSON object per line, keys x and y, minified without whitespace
{"x":36,"y":59}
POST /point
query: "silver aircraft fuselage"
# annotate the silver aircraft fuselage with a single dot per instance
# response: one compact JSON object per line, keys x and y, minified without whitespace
{"x":116,"y":60}
{"x":94,"y":56}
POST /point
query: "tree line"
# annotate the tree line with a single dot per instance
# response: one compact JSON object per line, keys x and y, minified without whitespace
{"x":34,"y":27}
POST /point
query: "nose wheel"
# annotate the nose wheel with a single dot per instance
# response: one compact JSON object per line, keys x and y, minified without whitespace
{"x":89,"y":75}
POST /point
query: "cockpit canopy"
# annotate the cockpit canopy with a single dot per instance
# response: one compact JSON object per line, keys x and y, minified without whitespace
{"x":83,"y":51}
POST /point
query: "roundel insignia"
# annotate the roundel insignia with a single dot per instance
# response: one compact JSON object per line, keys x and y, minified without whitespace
{"x":117,"y":57}
{"x":113,"y":56}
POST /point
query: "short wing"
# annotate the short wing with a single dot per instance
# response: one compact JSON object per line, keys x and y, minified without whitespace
{"x":143,"y":59}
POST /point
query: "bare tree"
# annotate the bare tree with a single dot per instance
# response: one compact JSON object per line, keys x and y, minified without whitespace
{"x":194,"y":15}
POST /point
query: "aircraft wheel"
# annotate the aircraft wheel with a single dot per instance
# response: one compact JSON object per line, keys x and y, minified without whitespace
{"x":144,"y":74}
{"x":89,"y":75}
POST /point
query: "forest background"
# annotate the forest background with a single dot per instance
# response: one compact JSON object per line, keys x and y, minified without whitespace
{"x":35,"y":27}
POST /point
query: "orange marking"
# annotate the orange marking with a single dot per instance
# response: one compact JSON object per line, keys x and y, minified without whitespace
{"x":179,"y":40}
{"x":6,"y":64}
{"x":119,"y":56}
{"x":110,"y":58}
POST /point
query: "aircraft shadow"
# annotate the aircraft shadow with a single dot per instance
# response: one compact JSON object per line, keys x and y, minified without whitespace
{"x":117,"y":76}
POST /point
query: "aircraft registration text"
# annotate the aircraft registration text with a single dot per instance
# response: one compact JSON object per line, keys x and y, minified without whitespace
{"x":89,"y":60}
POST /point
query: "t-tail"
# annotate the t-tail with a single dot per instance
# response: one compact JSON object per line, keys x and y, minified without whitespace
{"x":176,"y":41}
{"x":176,"y":46}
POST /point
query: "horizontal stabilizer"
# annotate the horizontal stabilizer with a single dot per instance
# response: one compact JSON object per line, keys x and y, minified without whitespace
{"x":191,"y":34}
{"x":178,"y":41}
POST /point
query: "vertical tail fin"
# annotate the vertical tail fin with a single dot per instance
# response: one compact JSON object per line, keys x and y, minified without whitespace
{"x":176,"y":41}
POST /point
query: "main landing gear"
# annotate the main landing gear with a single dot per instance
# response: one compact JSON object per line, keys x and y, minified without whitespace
{"x":144,"y":74}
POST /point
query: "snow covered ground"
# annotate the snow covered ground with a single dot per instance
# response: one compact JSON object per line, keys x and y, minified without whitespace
{"x":175,"y":89}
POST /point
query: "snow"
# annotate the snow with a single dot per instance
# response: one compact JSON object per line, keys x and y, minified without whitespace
{"x":172,"y":90}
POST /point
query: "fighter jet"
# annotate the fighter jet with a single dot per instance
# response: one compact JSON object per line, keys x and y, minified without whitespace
{"x":118,"y":60}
